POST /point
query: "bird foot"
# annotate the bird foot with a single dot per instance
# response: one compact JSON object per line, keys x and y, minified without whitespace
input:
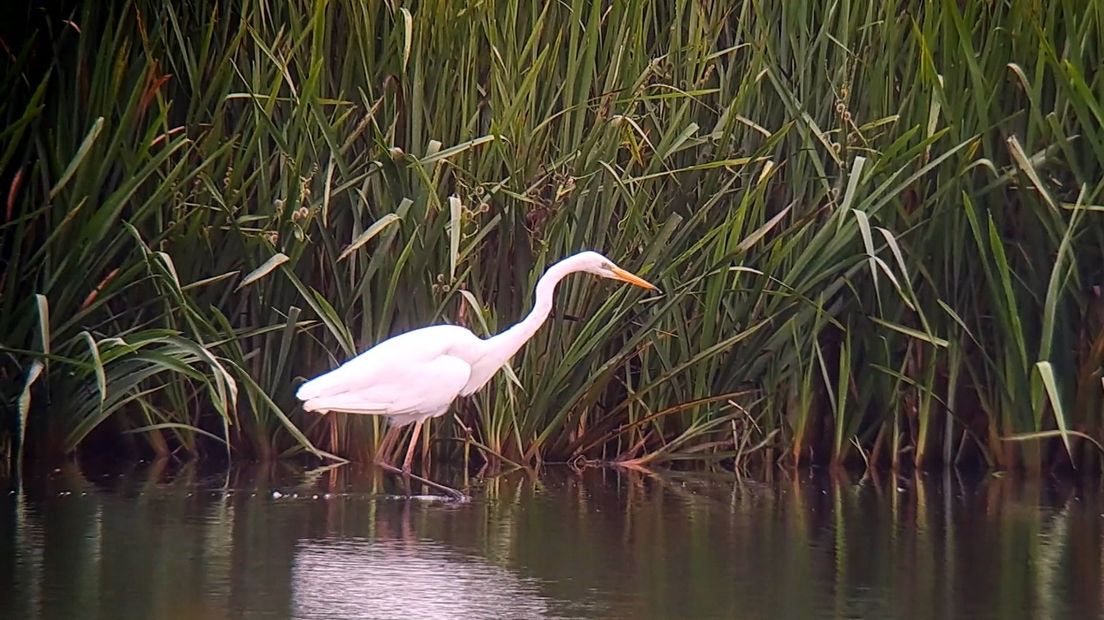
{"x":451,"y":492}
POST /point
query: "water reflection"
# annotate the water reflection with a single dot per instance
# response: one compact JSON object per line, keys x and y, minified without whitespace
{"x":406,"y":579}
{"x":186,"y":543}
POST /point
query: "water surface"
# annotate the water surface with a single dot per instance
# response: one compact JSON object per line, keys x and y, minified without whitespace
{"x":282,"y":542}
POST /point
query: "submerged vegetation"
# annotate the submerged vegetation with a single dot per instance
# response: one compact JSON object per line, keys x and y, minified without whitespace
{"x":878,"y":225}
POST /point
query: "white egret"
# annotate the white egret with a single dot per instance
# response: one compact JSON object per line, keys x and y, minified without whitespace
{"x":416,"y":375}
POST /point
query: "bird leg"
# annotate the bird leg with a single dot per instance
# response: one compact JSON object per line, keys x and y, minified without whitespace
{"x":410,"y":448}
{"x":405,"y":471}
{"x":453,"y":493}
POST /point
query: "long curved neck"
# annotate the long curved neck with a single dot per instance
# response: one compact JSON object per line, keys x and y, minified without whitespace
{"x":508,"y":342}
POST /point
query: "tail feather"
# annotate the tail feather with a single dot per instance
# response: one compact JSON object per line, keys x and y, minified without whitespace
{"x":329,"y":384}
{"x":356,"y":374}
{"x":348,"y":402}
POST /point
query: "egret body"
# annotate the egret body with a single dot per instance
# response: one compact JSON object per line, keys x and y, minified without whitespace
{"x":418,"y":374}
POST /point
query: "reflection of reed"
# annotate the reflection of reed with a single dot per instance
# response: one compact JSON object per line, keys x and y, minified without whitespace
{"x":180,"y":543}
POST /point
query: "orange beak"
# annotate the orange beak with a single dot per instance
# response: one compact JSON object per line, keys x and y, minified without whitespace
{"x":633,"y":279}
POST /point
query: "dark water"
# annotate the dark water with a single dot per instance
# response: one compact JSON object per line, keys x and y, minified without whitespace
{"x":155,"y":543}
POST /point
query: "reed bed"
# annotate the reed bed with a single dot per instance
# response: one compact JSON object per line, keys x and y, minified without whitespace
{"x":877,"y":225}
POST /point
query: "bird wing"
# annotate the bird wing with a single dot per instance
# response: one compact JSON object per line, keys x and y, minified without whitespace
{"x":405,"y":388}
{"x":394,"y":355}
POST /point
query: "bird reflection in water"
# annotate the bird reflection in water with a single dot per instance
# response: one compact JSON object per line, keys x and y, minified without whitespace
{"x":398,"y":575}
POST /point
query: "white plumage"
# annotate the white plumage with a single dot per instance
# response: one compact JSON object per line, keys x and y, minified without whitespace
{"x":411,"y":376}
{"x":418,"y":374}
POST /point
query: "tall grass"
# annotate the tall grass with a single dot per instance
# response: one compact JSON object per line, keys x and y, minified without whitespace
{"x":877,"y":225}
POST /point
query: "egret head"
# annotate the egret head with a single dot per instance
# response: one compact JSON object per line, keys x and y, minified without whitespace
{"x":593,"y":262}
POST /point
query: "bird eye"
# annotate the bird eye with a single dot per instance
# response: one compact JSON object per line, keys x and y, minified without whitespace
{"x":607,"y":266}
